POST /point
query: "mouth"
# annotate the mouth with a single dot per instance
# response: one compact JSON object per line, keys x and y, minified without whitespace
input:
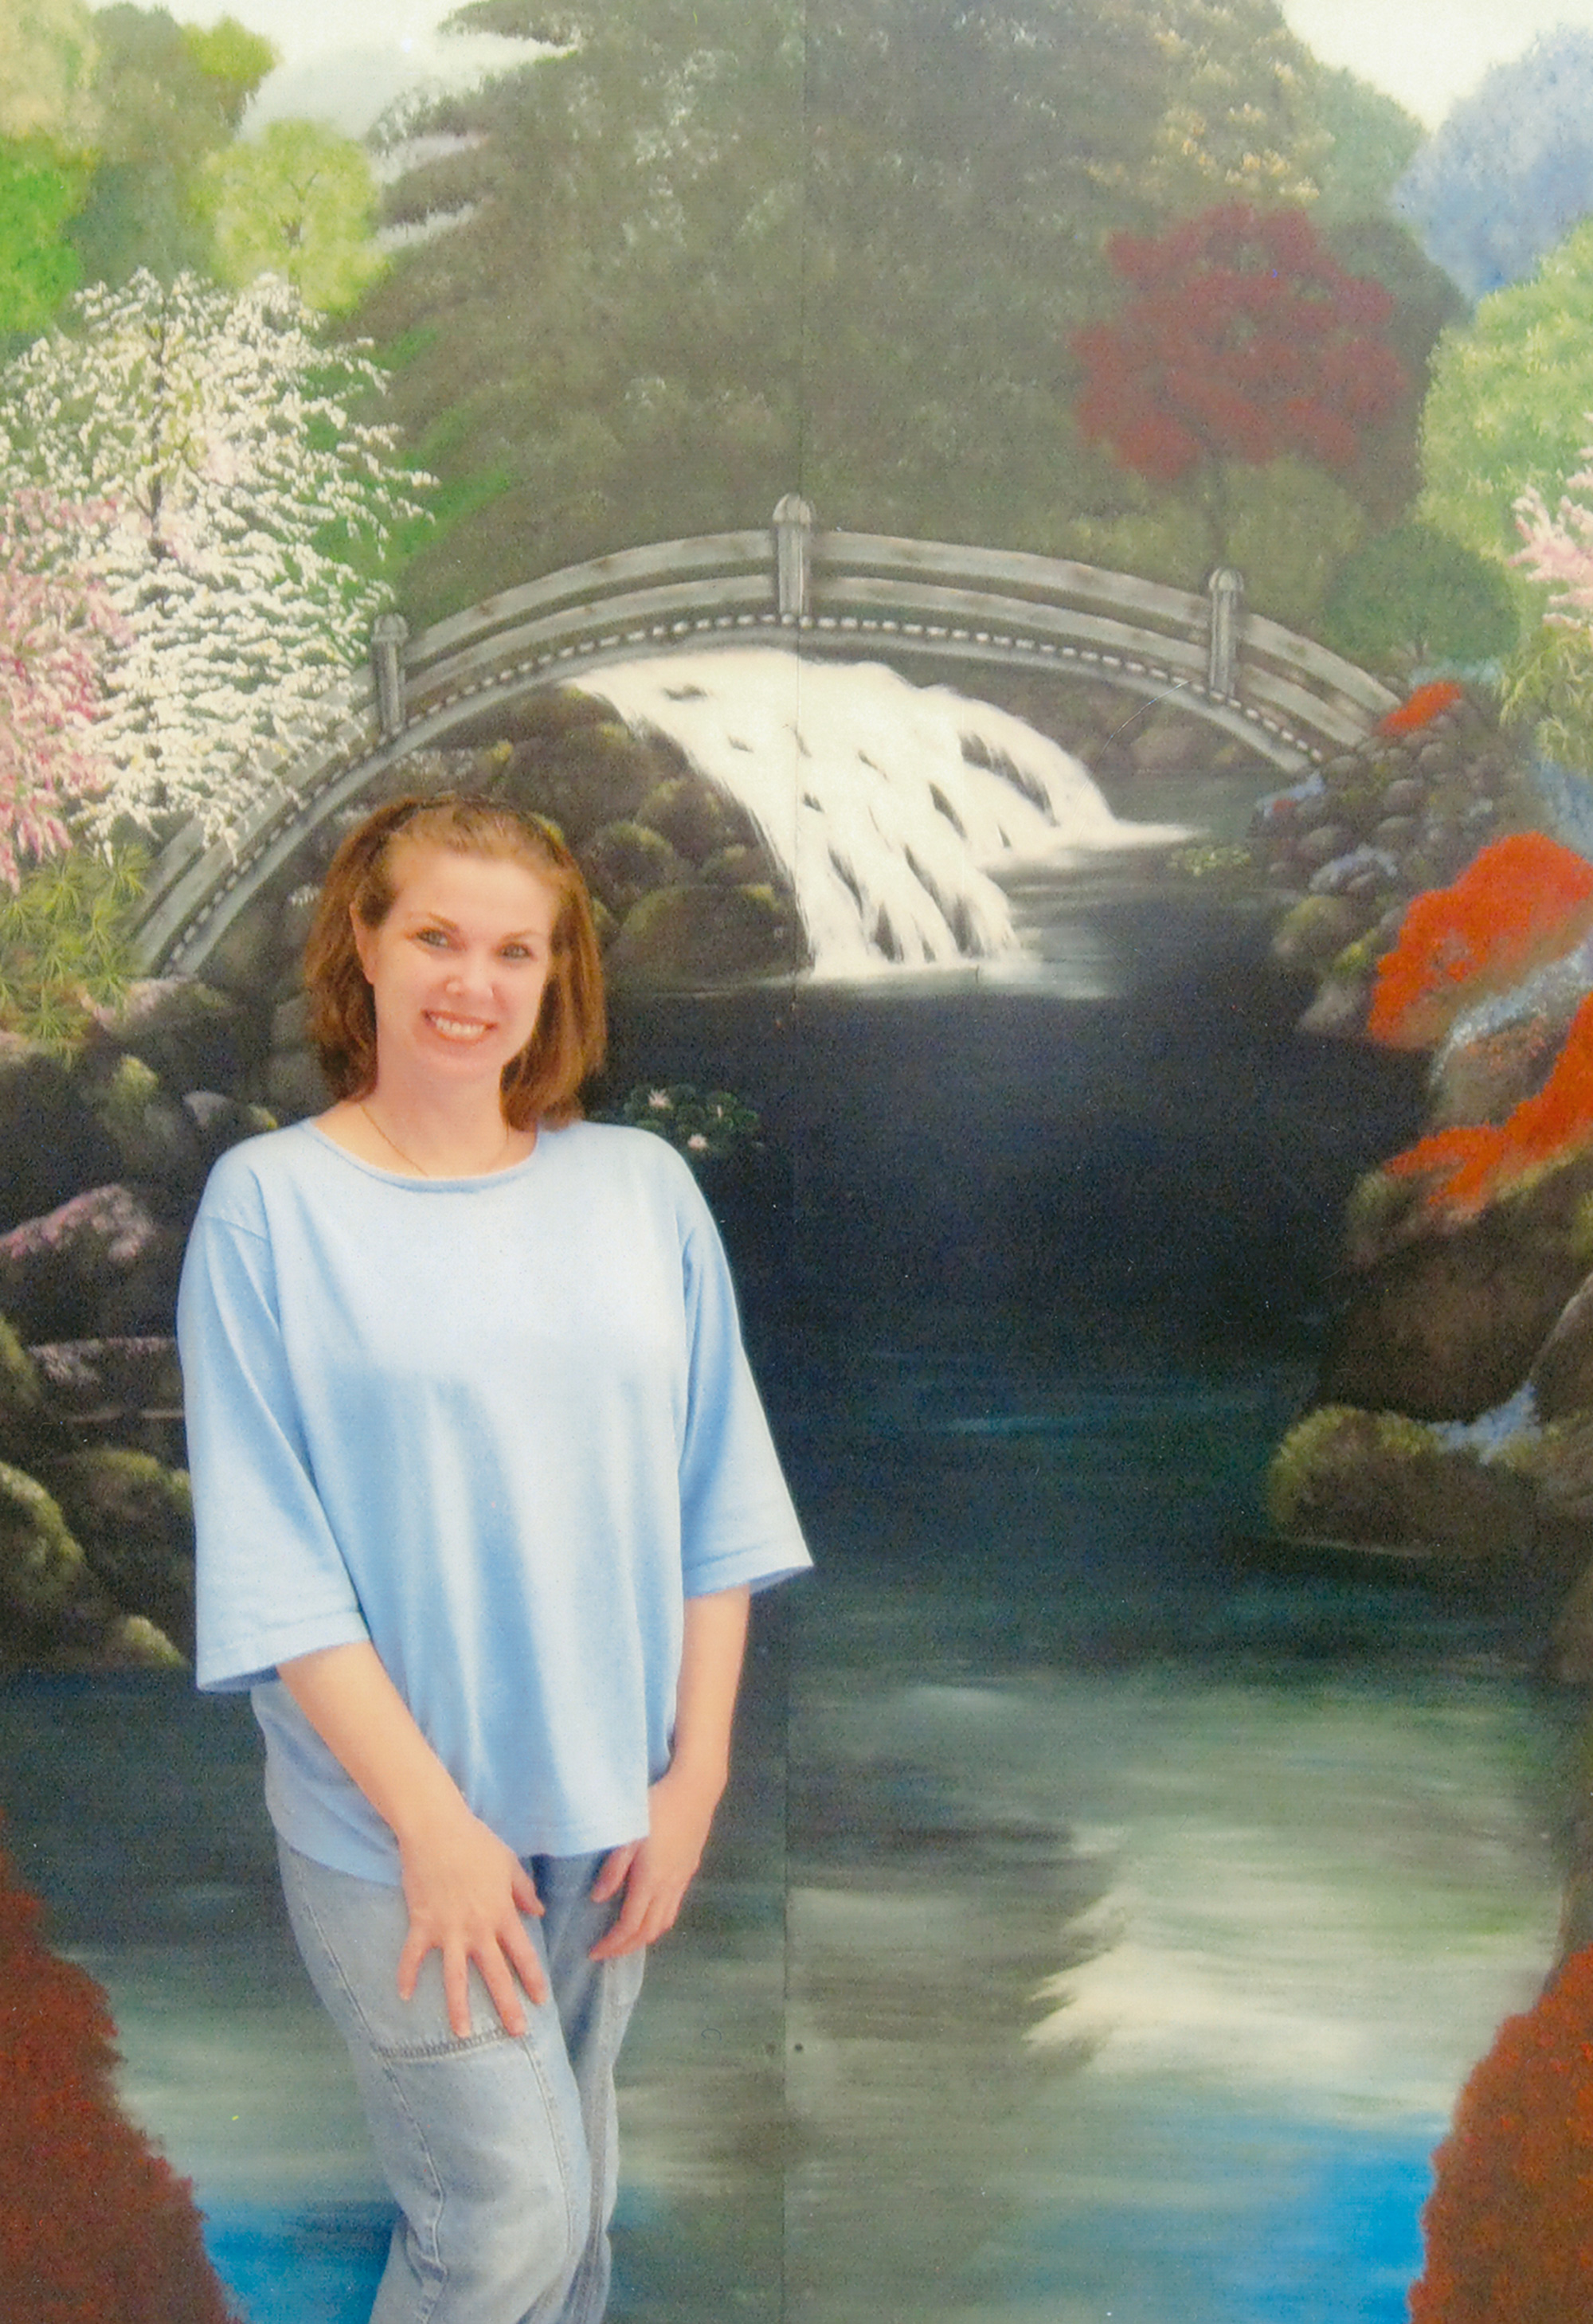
{"x":463,"y":1031}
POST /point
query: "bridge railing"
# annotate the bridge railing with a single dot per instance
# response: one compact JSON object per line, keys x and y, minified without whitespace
{"x":790,"y":582}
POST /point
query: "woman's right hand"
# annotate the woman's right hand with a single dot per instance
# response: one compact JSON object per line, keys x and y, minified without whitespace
{"x":466,"y":1891}
{"x":466,"y":1888}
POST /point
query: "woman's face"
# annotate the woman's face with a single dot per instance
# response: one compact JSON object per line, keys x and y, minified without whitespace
{"x":459,"y":966}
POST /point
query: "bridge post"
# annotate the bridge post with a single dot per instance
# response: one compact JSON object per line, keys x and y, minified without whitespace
{"x":793,"y":558}
{"x":389,"y":636}
{"x":1226,"y":590}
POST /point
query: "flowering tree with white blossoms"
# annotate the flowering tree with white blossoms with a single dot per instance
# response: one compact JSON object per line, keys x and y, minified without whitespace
{"x":238,"y":509}
{"x":56,"y":626}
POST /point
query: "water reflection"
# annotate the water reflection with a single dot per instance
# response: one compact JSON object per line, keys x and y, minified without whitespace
{"x":1102,"y":1927}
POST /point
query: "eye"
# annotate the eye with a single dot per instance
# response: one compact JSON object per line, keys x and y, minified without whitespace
{"x":435,"y":937}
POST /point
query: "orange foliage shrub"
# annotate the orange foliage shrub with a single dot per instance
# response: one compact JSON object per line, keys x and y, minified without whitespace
{"x":95,"y":2227}
{"x":1422,"y":707}
{"x":1509,"y":2224}
{"x":1470,"y":1165}
{"x":1524,"y":900}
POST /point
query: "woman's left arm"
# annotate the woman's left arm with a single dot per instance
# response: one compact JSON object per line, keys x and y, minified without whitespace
{"x":655,"y":1873}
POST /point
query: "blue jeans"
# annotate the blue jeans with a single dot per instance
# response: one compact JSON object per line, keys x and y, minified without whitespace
{"x":501,"y":2152}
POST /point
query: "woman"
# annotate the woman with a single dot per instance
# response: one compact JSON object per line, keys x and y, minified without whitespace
{"x":482,"y":1485}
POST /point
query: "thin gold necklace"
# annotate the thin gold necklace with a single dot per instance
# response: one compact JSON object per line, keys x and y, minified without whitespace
{"x":419,"y":1168}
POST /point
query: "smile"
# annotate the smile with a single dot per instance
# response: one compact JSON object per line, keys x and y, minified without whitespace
{"x":458,"y":1029}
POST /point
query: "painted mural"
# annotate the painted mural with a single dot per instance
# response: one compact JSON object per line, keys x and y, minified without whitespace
{"x":1041,"y":553}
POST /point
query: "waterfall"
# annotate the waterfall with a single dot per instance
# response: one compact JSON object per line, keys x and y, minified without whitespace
{"x":884,"y":805}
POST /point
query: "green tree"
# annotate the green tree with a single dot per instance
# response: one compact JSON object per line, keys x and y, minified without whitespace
{"x":1413,"y":597}
{"x":40,"y":193}
{"x":718,"y":248}
{"x":299,"y":202}
{"x":168,"y":95}
{"x":48,"y":54}
{"x":1509,"y":404}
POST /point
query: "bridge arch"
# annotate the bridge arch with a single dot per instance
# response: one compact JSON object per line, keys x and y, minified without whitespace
{"x":849,"y":595}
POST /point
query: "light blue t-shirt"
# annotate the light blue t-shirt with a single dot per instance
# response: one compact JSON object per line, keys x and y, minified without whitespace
{"x":501,"y":1427}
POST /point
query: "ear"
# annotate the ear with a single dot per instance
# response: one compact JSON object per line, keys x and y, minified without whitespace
{"x":365,"y":942}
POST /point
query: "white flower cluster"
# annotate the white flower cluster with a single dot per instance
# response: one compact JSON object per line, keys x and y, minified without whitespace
{"x":237,"y":499}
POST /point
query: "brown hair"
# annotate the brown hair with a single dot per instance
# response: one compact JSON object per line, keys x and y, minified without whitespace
{"x":543,"y":1083}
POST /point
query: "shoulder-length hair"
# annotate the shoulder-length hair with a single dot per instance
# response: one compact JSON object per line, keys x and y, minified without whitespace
{"x":543,"y":1083}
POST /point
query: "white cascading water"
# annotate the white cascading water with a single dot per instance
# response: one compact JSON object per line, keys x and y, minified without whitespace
{"x":884,"y":804}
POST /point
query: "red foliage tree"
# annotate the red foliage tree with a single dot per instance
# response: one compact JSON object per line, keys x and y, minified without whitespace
{"x":1244,"y":339}
{"x":1523,"y":902}
{"x":95,"y":2226}
{"x":1509,"y":2226}
{"x":1467,"y":1166}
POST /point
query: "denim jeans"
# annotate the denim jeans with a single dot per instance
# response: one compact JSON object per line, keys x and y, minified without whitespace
{"x":501,"y":2151}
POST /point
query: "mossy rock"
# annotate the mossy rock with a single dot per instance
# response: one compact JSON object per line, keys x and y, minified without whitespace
{"x":1443,"y":1317}
{"x":697,"y":821}
{"x":624,"y":862}
{"x":745,"y":866}
{"x":42,"y":1568}
{"x":582,"y":770}
{"x":693,"y":937}
{"x":134,"y":1520}
{"x":24,"y":1414}
{"x":189,"y":1033}
{"x":51,"y":1145}
{"x":1379,"y":1480}
{"x":1316,"y":931}
{"x":156,"y":1138}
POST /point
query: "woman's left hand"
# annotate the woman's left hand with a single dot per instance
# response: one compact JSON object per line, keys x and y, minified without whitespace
{"x":655,"y":1873}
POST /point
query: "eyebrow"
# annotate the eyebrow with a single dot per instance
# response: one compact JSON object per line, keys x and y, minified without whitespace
{"x":441,"y":920}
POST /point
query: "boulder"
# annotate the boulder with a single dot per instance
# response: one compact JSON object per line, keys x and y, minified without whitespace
{"x":702,"y":935}
{"x":103,"y":1383}
{"x":696,"y":820}
{"x":1562,"y":1376}
{"x":43,"y":1570}
{"x":99,"y":1266}
{"x":221,"y":1122}
{"x":1443,"y":1319}
{"x":191,"y":1035}
{"x":579,"y":765}
{"x":295,"y":1085}
{"x":1378,"y":1480}
{"x":156,"y":1138}
{"x":134,"y":1520}
{"x":23,"y":1413}
{"x":51,"y":1145}
{"x":624,"y":862}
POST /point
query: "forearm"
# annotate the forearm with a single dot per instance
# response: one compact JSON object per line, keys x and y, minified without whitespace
{"x":353,"y":1706}
{"x":712,"y":1647}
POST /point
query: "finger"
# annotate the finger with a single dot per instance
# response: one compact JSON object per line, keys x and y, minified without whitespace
{"x":505,"y":1992}
{"x":527,"y":1963}
{"x":524,"y":1890}
{"x":415,"y":1948}
{"x":643,"y":1917}
{"x":614,"y":1871}
{"x":457,"y":1992}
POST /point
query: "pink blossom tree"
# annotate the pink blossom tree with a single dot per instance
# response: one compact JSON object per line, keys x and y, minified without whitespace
{"x":1557,"y":548}
{"x":56,"y":621}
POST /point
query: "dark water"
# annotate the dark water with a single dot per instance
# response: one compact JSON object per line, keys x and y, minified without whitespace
{"x":1106,"y":1911}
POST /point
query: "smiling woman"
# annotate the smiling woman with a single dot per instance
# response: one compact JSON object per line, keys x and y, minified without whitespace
{"x":483,"y":1488}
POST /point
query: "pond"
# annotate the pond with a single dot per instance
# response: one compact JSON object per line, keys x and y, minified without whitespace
{"x":1108,"y":1910}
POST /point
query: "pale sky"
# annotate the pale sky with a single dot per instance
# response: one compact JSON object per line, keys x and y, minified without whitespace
{"x":1425,"y":52}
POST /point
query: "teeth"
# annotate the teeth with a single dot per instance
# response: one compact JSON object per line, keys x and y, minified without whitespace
{"x":458,"y":1029}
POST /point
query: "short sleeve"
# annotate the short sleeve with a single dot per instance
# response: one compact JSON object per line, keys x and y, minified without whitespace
{"x":271,"y":1581}
{"x":738,"y":1525}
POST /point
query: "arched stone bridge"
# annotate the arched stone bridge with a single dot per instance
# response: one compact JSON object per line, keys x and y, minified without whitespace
{"x":856,"y":595}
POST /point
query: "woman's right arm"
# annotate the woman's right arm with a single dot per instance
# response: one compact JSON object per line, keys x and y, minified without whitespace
{"x":464,"y":1887}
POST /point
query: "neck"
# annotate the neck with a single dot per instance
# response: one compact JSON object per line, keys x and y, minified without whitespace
{"x":453,"y":1136}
